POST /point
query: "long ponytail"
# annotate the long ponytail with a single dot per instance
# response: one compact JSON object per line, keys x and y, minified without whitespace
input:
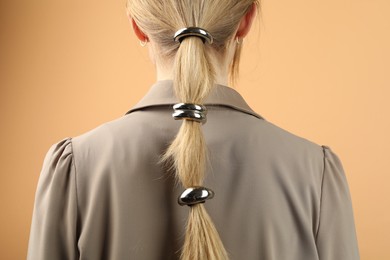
{"x":193,"y":79}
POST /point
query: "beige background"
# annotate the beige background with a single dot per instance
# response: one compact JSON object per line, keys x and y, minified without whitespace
{"x":319,"y":69}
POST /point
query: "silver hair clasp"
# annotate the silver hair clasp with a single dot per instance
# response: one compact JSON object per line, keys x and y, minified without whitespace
{"x":195,"y":195}
{"x":183,"y":33}
{"x":190,"y":111}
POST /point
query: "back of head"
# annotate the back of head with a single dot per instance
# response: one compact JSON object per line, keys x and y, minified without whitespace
{"x":193,"y":79}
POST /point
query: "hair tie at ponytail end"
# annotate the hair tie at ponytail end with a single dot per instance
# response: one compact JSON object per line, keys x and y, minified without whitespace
{"x":190,"y":111}
{"x":183,"y":33}
{"x":195,"y":195}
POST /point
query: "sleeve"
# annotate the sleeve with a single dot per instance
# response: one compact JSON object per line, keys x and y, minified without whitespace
{"x":336,"y":236}
{"x":54,"y":222}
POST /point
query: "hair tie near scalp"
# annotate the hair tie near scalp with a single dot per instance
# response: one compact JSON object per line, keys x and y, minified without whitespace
{"x":183,"y":33}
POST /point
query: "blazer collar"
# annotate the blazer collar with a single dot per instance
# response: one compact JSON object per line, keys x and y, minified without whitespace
{"x":162,"y":94}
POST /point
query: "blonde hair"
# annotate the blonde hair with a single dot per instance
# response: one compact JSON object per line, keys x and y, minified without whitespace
{"x":194,"y":78}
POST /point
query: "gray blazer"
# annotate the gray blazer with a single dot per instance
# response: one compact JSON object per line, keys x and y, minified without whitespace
{"x":103,"y":195}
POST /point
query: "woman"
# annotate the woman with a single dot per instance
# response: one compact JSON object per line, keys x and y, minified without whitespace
{"x":112,"y":192}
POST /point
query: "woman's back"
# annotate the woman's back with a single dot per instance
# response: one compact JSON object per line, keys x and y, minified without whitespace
{"x":277,"y":196}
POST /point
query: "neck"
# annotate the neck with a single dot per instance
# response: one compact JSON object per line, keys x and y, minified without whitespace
{"x":165,"y":72}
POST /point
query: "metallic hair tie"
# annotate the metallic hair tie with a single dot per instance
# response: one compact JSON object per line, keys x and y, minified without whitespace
{"x":195,"y":195}
{"x":183,"y":33}
{"x":190,"y":111}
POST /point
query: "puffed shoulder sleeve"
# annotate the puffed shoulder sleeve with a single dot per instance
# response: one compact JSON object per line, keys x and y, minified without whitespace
{"x":54,"y":223}
{"x":336,"y":235}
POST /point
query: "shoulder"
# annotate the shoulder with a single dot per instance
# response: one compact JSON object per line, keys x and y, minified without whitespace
{"x":59,"y":156}
{"x":291,"y":152}
{"x":279,"y":141}
{"x":318,"y":158}
{"x":108,"y":133}
{"x":128,"y":135}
